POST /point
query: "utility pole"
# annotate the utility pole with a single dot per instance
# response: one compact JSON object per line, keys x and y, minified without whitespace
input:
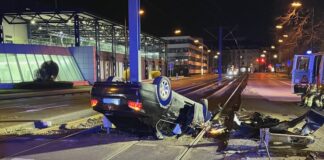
{"x":134,"y":40}
{"x":220,"y":47}
{"x":312,"y":36}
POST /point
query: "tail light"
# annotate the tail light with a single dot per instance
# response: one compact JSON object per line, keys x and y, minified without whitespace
{"x":137,"y":106}
{"x":93,"y":102}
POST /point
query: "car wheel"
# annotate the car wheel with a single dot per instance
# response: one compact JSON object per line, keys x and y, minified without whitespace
{"x":163,"y":91}
{"x":114,"y":79}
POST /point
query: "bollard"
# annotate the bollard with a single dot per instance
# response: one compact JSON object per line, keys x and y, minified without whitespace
{"x":106,"y":124}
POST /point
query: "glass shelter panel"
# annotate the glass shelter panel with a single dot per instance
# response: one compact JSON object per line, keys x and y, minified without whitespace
{"x":15,"y":73}
{"x":5,"y":76}
{"x":40,"y":59}
{"x":65,"y":68}
{"x":32,"y":63}
{"x":24,"y":67}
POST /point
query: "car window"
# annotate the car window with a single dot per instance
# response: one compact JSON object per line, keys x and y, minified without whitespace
{"x":302,"y":63}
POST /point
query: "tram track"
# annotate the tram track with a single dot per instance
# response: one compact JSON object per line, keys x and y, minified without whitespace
{"x":186,"y":150}
{"x":124,"y":148}
{"x":194,"y":86}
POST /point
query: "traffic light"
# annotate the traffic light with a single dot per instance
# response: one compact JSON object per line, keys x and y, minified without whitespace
{"x":260,"y":60}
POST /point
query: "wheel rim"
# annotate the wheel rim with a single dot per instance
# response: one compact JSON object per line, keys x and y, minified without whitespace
{"x":164,"y":89}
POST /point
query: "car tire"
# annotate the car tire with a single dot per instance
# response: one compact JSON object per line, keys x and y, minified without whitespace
{"x":163,"y":91}
{"x":114,"y":79}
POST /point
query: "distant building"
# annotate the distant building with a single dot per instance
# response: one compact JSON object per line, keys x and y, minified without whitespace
{"x":243,"y":58}
{"x":85,"y":47}
{"x":184,"y":55}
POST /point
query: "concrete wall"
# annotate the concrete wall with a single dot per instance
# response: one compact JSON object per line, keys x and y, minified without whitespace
{"x":15,"y":33}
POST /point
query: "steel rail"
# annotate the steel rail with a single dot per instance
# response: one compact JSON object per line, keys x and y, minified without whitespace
{"x":185,"y":152}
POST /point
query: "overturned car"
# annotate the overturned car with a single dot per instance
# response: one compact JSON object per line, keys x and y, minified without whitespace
{"x":148,"y":107}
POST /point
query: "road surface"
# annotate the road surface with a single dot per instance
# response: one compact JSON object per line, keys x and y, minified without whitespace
{"x":263,"y":94}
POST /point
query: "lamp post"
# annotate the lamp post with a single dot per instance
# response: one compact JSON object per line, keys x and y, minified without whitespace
{"x":296,"y":4}
{"x":177,"y":31}
{"x":279,"y":26}
{"x":202,"y":46}
{"x":202,"y":60}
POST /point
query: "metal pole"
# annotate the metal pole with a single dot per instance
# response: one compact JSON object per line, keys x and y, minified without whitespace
{"x":126,"y":52}
{"x":113,"y":49}
{"x":97,"y":39}
{"x":134,"y":40}
{"x":166,"y":60}
{"x":312,"y":36}
{"x":202,"y":60}
{"x":76,"y":31}
{"x":145,"y":58}
{"x":220,"y":48}
{"x":1,"y":29}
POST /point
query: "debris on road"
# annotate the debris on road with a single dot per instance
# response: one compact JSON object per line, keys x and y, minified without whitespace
{"x":286,"y":132}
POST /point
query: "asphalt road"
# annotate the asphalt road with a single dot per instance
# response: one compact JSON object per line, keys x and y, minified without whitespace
{"x":265,"y":93}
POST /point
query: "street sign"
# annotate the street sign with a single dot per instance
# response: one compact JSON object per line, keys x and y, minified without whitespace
{"x":171,"y":65}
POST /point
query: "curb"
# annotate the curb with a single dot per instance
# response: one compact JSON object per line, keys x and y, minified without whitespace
{"x":55,"y":120}
{"x":40,"y":94}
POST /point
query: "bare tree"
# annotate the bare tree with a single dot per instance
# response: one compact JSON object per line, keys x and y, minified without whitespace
{"x":302,"y":32}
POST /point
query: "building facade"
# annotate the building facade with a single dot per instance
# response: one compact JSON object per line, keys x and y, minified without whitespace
{"x":93,"y":47}
{"x":186,"y":55}
{"x":245,"y":59}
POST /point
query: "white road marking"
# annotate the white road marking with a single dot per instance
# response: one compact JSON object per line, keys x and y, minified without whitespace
{"x":40,"y":109}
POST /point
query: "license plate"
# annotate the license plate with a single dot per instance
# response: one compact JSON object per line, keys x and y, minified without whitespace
{"x":114,"y":101}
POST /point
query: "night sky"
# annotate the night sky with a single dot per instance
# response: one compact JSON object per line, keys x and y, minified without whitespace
{"x":253,"y":20}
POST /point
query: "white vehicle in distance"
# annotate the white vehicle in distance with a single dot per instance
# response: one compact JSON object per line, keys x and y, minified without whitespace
{"x":231,"y":71}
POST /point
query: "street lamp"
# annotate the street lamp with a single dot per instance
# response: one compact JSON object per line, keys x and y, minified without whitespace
{"x":264,"y":51}
{"x":279,"y":26}
{"x":177,"y":32}
{"x":202,"y":59}
{"x":280,"y":40}
{"x":32,"y":22}
{"x":262,"y":55}
{"x":196,"y":41}
{"x":275,"y":56}
{"x":273,"y":47}
{"x":285,"y":35}
{"x":208,"y":51}
{"x":296,"y":4}
{"x":141,"y":12}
